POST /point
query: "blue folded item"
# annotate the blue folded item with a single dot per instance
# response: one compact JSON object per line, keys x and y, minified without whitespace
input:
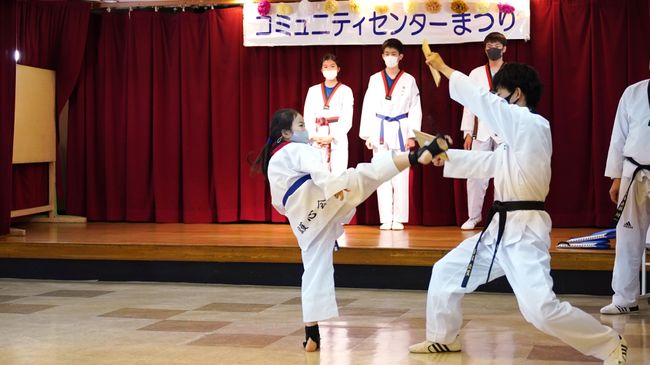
{"x":598,"y":243}
{"x":608,"y":234}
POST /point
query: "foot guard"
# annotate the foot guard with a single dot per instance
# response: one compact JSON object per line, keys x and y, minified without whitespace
{"x":438,"y":146}
{"x":311,"y":333}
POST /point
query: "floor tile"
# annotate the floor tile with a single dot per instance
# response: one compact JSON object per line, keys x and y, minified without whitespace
{"x":23,"y":308}
{"x":238,"y":340}
{"x":75,"y":293}
{"x":142,"y":313}
{"x":185,"y":326}
{"x":234,"y":307}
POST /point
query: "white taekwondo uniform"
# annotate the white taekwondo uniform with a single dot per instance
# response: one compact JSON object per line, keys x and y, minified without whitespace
{"x":521,"y":168}
{"x":315,"y":215}
{"x":630,"y":137}
{"x":330,"y":117}
{"x":388,"y":118}
{"x":483,"y":140}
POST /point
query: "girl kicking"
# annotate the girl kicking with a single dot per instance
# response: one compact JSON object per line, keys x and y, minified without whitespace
{"x":317,"y":202}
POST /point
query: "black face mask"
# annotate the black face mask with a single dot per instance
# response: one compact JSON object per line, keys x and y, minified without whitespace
{"x":507,"y":98}
{"x":494,"y":53}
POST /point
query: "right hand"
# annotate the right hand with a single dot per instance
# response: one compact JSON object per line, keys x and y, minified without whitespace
{"x":614,"y":189}
{"x":438,"y":161}
{"x":341,"y":194}
{"x":369,"y":144}
{"x":434,"y":60}
{"x":468,"y":142}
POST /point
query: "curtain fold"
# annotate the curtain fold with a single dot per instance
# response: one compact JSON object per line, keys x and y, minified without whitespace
{"x":7,"y":106}
{"x":170,"y":109}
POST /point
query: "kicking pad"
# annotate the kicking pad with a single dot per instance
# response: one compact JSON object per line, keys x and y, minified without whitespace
{"x":426,"y":138}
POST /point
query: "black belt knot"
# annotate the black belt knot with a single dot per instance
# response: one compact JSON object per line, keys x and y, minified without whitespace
{"x":502,"y":208}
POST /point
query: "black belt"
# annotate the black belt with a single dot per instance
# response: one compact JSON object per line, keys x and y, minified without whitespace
{"x":621,"y":206}
{"x":502,"y":208}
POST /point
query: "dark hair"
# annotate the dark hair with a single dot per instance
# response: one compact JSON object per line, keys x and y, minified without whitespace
{"x":329,"y":57}
{"x":281,"y":120}
{"x":393,"y":43}
{"x":495,"y":37}
{"x":522,"y":76}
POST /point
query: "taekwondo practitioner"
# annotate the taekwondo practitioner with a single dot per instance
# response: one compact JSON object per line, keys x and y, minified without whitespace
{"x":391,"y":111}
{"x":516,"y":242}
{"x":317,"y":202}
{"x":328,"y":116}
{"x":477,"y":135}
{"x":628,"y":164}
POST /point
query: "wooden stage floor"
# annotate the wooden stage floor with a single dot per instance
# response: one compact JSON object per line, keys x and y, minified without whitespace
{"x":260,"y":243}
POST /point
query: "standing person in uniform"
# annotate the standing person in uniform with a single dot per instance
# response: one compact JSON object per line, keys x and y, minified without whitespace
{"x":628,"y":164}
{"x":391,"y":111}
{"x":317,"y":202}
{"x":516,"y":244}
{"x":328,"y":115}
{"x":477,"y":135}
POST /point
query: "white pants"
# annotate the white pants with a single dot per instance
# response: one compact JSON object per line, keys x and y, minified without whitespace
{"x":393,"y":195}
{"x":632,"y":233}
{"x":317,"y":289}
{"x":476,"y":188}
{"x":526,"y":265}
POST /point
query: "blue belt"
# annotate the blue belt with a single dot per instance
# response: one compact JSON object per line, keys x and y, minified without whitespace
{"x":392,"y":119}
{"x":292,"y":189}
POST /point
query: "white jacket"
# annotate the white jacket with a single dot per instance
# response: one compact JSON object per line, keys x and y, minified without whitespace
{"x":520,"y":166}
{"x":631,"y":132}
{"x":405,"y":98}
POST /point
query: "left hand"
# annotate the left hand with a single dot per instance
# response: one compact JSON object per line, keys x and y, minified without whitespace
{"x":326,"y":140}
{"x":410,"y":143}
{"x":614,"y":189}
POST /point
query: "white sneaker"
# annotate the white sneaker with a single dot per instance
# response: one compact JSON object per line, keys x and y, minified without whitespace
{"x":428,"y":347}
{"x":618,"y":309}
{"x":385,"y":226}
{"x":470,"y":224}
{"x":397,"y":226}
{"x":619,"y":355}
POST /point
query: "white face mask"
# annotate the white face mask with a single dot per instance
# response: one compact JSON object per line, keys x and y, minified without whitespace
{"x":300,"y":137}
{"x":391,"y":61}
{"x":330,"y":74}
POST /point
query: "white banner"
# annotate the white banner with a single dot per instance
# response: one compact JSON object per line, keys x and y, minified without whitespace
{"x":308,"y":23}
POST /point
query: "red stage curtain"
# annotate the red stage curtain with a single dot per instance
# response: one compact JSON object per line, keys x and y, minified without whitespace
{"x":52,"y":35}
{"x":170,"y":109}
{"x":7,"y":104}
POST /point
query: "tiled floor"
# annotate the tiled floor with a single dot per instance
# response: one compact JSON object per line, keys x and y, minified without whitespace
{"x":54,"y":322}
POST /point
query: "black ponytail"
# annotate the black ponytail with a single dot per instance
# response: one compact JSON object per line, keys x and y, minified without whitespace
{"x":281,"y":120}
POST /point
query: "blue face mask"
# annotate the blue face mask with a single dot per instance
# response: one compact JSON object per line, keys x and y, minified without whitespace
{"x":300,"y":137}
